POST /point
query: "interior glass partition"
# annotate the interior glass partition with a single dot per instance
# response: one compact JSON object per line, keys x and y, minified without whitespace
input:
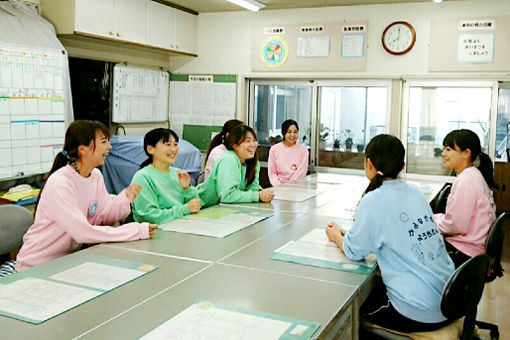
{"x":433,"y":110}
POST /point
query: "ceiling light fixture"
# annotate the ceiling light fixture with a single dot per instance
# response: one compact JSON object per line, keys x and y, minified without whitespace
{"x":438,"y":1}
{"x":252,"y":5}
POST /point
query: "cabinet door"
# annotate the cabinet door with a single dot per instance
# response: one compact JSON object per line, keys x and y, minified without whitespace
{"x":131,"y":20}
{"x":185,"y":31}
{"x":160,"y":25}
{"x":95,"y":17}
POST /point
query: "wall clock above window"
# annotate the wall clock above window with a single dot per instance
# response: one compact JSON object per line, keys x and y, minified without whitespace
{"x":398,"y":37}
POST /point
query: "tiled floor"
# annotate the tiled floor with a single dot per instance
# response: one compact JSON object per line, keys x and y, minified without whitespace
{"x":495,"y":304}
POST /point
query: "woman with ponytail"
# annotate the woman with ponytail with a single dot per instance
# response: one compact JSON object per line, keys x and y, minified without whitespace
{"x":74,"y":206}
{"x":394,"y":221}
{"x":217,"y":146}
{"x":470,"y":209}
{"x":235,"y":176}
{"x":166,"y":191}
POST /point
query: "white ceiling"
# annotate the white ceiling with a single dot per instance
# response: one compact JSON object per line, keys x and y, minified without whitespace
{"x":201,"y":6}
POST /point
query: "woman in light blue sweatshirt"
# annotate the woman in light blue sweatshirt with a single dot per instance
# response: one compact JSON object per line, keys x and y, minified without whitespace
{"x":394,"y":221}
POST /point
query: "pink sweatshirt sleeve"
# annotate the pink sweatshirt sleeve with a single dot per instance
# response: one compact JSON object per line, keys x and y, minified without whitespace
{"x":302,"y":165}
{"x":459,"y":208}
{"x":272,"y":166}
{"x":66,"y":214}
{"x":112,"y":209}
{"x":213,"y":158}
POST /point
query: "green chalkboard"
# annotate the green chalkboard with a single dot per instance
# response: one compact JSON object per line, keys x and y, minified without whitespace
{"x":199,"y":135}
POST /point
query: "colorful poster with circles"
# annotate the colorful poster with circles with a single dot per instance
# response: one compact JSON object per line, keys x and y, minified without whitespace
{"x":274,"y":51}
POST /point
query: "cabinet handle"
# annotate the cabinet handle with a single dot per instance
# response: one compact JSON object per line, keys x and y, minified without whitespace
{"x":118,"y":34}
{"x":111,"y":33}
{"x":171,"y":45}
{"x":177,"y":46}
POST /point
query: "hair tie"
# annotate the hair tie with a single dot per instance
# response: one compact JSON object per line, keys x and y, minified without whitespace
{"x":63,"y":152}
{"x":380,"y":173}
{"x":476,"y":162}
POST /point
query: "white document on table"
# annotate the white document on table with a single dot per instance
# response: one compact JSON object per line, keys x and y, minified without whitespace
{"x":97,"y":275}
{"x":317,"y":251}
{"x":37,"y":299}
{"x":294,"y":193}
{"x":204,"y":227}
{"x":205,"y":321}
{"x":216,"y":221}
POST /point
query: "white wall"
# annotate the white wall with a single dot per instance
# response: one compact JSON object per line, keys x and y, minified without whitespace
{"x":224,"y":39}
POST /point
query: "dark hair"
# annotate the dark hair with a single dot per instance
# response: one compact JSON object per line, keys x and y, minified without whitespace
{"x":287,"y":124}
{"x":220,"y":137}
{"x":80,"y":132}
{"x":152,"y":138}
{"x":387,"y":154}
{"x":466,"y":139}
{"x":236,"y":137}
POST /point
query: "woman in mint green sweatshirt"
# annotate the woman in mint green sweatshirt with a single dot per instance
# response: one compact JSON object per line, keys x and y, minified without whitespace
{"x":166,"y":192}
{"x":234,"y":178}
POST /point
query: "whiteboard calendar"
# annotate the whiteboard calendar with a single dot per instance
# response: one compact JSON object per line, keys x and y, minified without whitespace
{"x":32,"y":108}
{"x":140,"y":95}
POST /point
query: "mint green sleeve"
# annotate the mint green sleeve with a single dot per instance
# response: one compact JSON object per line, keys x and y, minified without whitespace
{"x":190,"y":193}
{"x":255,"y":186}
{"x":228,"y":184}
{"x":146,"y":207}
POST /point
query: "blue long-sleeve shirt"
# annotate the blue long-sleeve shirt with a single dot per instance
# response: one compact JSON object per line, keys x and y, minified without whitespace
{"x":396,"y":223}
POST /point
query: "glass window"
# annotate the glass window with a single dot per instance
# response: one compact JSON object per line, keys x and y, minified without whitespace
{"x":275,"y":103}
{"x":433,"y":111}
{"x":503,"y":125}
{"x":349,"y":117}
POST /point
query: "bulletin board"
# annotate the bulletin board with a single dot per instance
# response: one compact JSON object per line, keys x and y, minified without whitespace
{"x":470,"y":44}
{"x":32,"y":108}
{"x":329,"y":46}
{"x":140,"y":95}
{"x":201,"y":100}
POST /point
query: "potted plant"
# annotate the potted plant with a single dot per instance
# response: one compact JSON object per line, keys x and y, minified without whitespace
{"x":336,"y":143}
{"x":348,"y":139}
{"x":323,"y":135}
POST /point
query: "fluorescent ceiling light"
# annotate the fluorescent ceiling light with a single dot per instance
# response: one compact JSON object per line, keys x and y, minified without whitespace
{"x":437,"y":1}
{"x":252,"y":5}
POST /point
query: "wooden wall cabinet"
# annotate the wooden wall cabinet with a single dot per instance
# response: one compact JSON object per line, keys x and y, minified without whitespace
{"x":502,"y":179}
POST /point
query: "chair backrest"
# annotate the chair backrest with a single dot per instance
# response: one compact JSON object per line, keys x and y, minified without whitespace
{"x":438,"y":203}
{"x":494,"y":247}
{"x":463,"y":292}
{"x":14,"y":223}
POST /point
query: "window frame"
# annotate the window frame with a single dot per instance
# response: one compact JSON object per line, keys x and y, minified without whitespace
{"x":284,"y":82}
{"x":459,"y":83}
{"x":387,"y":83}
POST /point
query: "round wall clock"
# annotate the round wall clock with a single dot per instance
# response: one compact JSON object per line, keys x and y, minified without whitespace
{"x":399,"y":37}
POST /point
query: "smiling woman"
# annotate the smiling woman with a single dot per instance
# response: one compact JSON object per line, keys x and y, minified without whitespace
{"x":166,"y":192}
{"x":235,"y":176}
{"x":74,"y":206}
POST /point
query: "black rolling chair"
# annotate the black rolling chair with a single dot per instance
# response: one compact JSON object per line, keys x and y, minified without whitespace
{"x":461,"y":296}
{"x":438,"y":203}
{"x":463,"y":292}
{"x":494,"y":249}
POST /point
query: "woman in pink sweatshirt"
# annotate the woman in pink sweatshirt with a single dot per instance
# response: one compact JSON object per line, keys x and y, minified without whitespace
{"x":288,"y":160}
{"x":74,"y":206}
{"x":217,"y":146}
{"x":470,"y":209}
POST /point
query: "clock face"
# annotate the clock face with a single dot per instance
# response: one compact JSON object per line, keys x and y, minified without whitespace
{"x":398,"y":38}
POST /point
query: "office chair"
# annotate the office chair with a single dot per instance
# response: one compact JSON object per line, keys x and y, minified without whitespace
{"x":460,"y":298}
{"x":438,"y":203}
{"x":494,"y":249}
{"x":14,"y":223}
